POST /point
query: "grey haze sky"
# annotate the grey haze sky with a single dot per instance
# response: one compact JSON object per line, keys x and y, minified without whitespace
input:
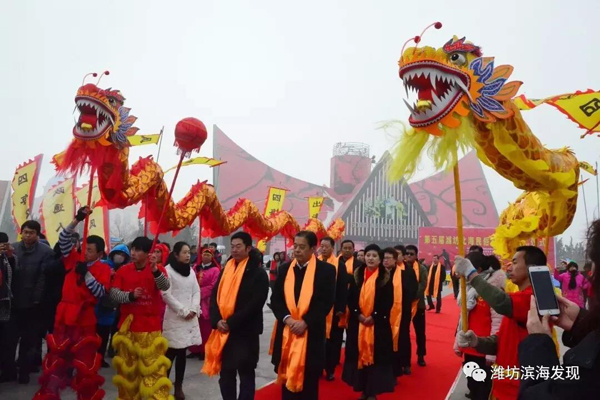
{"x":285,"y":80}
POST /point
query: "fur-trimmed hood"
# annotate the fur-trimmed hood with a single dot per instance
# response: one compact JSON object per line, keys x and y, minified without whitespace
{"x":382,"y":279}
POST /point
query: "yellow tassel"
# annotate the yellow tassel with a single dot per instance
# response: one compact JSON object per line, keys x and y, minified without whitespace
{"x":407,"y":151}
{"x":123,"y":369}
{"x":121,"y":339}
{"x":146,"y":391}
{"x":159,"y":345}
{"x":130,"y":386}
{"x":162,"y":361}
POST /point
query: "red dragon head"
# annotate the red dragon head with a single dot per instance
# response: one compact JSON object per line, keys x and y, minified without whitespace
{"x":102,"y":116}
{"x":103,"y":125}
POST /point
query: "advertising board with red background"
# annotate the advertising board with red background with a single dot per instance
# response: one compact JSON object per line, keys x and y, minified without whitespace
{"x":444,"y":242}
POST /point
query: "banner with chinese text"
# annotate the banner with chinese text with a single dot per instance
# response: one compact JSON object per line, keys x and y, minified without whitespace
{"x":23,"y":185}
{"x":444,"y":242}
{"x":57,"y":209}
{"x":314,"y":206}
{"x":273,"y":205}
{"x":99,"y":219}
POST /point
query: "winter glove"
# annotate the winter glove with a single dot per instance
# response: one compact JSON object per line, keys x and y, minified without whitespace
{"x":463,"y":267}
{"x":82,"y":213}
{"x":466,"y":339}
{"x":81,"y":268}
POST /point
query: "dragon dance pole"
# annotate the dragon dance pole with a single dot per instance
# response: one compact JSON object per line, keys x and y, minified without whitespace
{"x":146,"y":206}
{"x":162,"y":214}
{"x":461,"y":246}
{"x":86,"y":226}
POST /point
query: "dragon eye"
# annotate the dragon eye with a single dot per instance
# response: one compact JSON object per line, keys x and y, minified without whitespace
{"x":112,"y":101}
{"x":458,"y":59}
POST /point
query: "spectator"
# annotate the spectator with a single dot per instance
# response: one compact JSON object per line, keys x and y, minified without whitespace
{"x":180,"y":326}
{"x":274,"y":267}
{"x":208,"y":274}
{"x":573,"y":284}
{"x":55,"y":279}
{"x":106,"y":309}
{"x":7,"y":266}
{"x":28,"y":284}
{"x":360,"y":256}
{"x":213,"y":246}
{"x":193,"y":254}
{"x":582,"y":334}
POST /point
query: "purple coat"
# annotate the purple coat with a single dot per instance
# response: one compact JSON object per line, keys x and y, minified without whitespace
{"x":209,"y":279}
{"x":575,"y":295}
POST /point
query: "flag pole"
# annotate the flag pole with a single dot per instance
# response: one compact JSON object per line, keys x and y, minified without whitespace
{"x":461,"y":246}
{"x":597,"y":192}
{"x":587,"y":221}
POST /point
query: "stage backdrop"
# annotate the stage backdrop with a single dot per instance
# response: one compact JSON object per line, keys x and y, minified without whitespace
{"x":444,"y":241}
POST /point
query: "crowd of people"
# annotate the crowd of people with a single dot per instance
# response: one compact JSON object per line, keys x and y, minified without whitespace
{"x":151,"y":307}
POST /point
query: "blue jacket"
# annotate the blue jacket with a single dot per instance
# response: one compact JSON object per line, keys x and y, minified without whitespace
{"x":106,"y":311}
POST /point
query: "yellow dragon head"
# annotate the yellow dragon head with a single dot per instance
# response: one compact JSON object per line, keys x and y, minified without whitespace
{"x":452,"y":82}
{"x":456,"y":88}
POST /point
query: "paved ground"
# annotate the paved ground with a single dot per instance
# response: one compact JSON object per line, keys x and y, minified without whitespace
{"x":196,"y":386}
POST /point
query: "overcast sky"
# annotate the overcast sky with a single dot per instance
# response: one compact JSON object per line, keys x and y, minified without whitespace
{"x":285,"y":80}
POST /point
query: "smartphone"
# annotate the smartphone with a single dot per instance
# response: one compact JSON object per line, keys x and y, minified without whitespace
{"x":543,"y":290}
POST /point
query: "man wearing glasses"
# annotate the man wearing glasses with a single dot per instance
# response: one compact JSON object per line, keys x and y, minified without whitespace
{"x":410,"y":260}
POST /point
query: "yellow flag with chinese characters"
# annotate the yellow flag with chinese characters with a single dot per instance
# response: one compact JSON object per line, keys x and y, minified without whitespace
{"x":314,"y":206}
{"x":141,"y":140}
{"x":273,"y":205}
{"x":99,"y":218}
{"x":583,"y":108}
{"x":58,"y":209}
{"x":24,"y":184}
{"x":211,"y":162}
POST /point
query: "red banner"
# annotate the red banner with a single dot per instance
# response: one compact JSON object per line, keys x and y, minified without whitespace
{"x":444,"y":242}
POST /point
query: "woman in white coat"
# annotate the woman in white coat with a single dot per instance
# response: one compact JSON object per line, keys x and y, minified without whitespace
{"x":180,"y":325}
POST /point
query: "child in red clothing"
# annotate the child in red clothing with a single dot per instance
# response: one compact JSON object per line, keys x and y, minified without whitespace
{"x":74,"y":342}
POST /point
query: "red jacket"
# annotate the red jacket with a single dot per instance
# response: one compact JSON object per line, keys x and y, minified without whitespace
{"x":77,"y":303}
{"x":512,"y":331}
{"x":147,"y":309}
{"x":480,"y":322}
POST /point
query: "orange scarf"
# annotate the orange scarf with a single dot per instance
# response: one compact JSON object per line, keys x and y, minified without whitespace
{"x":293,"y":348}
{"x":366,"y":334}
{"x":229,"y":287}
{"x":333,"y":261}
{"x":436,"y":284}
{"x":415,"y":303}
{"x":343,"y":323}
{"x":396,"y":312}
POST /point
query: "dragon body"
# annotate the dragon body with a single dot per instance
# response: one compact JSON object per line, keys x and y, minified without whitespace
{"x":464,"y":101}
{"x":100,"y":140}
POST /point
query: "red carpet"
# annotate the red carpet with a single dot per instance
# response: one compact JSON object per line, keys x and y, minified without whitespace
{"x":431,"y":382}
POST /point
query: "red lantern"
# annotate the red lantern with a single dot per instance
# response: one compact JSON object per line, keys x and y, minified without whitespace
{"x":190,"y":135}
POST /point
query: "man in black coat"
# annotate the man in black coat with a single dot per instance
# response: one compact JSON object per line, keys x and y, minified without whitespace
{"x":336,"y":333}
{"x":323,"y":297}
{"x":351,"y":262}
{"x":28,"y":285}
{"x":240,"y":354}
{"x":410,"y":287}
